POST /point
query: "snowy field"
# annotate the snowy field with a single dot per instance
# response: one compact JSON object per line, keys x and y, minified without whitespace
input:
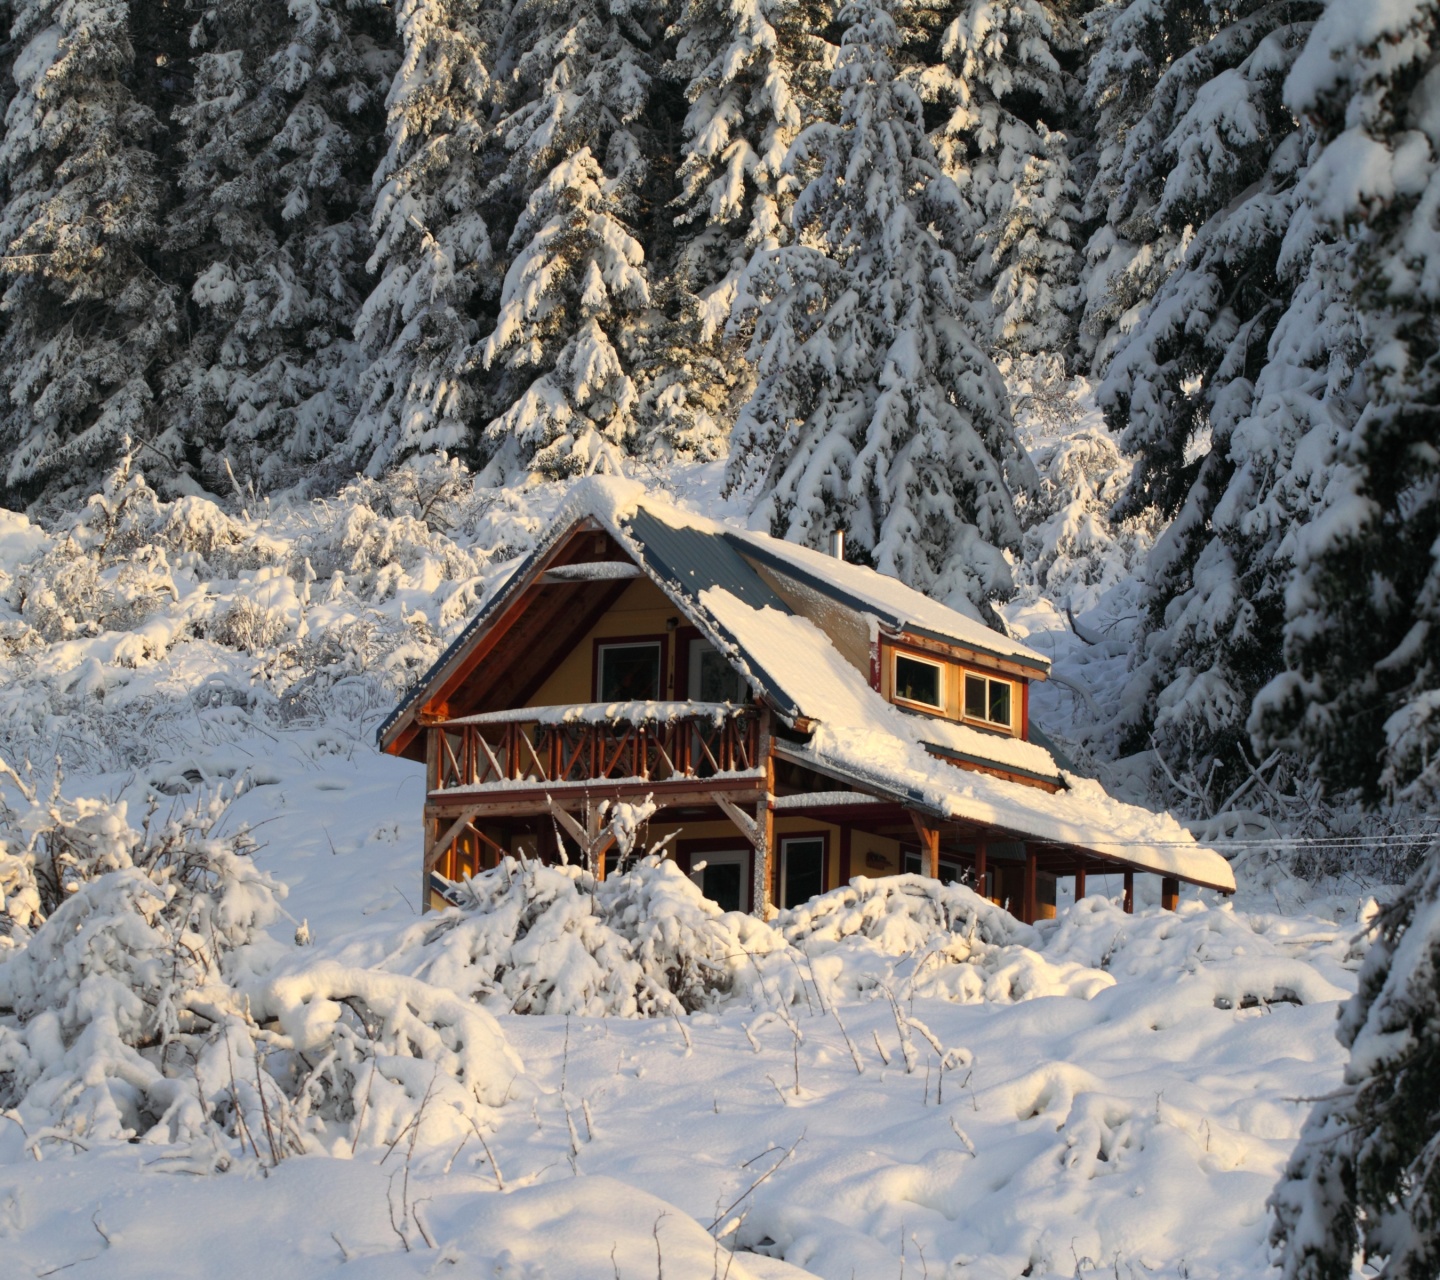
{"x":860,"y":1092}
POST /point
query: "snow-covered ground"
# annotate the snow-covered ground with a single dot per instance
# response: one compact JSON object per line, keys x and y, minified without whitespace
{"x":1127,"y":1103}
{"x":864,"y":1095}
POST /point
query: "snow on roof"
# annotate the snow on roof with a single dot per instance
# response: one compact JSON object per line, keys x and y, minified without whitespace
{"x":899,"y":607}
{"x":869,"y":739}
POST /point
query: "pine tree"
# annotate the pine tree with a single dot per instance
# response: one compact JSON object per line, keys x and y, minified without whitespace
{"x":1362,"y":645}
{"x":875,"y":410}
{"x":278,"y":143}
{"x":559,"y":367}
{"x":87,"y":319}
{"x":1007,"y":101}
{"x":432,"y":243}
{"x":1364,"y":1174}
{"x":577,"y":276}
{"x":1132,"y":46}
{"x":1240,"y":366}
{"x":752,"y":71}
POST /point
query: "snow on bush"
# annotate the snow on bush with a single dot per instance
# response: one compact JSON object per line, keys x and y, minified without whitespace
{"x":139,"y":999}
{"x":529,"y":938}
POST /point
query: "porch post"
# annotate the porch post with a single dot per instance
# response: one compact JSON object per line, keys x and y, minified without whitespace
{"x":1028,"y":910}
{"x":1170,"y":892}
{"x":981,"y":868}
{"x":765,"y":887}
{"x":1129,"y":893}
{"x":929,"y":834}
{"x":1079,"y":881}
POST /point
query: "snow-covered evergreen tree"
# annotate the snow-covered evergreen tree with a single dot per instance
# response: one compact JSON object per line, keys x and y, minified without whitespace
{"x":432,"y":244}
{"x":876,"y":410}
{"x":1224,"y":179}
{"x":1362,"y":644}
{"x":278,"y":139}
{"x":1005,"y":142}
{"x":576,"y":279}
{"x":1364,"y":1175}
{"x":752,"y":71}
{"x":87,"y":318}
{"x":559,"y":365}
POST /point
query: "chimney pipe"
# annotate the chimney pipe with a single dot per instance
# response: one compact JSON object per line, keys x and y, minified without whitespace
{"x":837,"y":544}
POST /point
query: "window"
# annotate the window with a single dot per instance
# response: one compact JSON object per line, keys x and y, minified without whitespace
{"x":712,"y":678}
{"x":919,"y":681}
{"x":988,"y":700}
{"x":802,"y":869}
{"x":724,"y":878}
{"x":918,"y":865}
{"x":629,"y":672}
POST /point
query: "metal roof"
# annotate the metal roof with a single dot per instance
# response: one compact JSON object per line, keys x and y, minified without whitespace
{"x":686,"y":561}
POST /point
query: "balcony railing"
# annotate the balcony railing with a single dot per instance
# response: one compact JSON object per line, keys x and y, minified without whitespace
{"x":653,"y":741}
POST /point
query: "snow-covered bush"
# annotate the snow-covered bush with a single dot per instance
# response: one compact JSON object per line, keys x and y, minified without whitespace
{"x":140,"y":998}
{"x":538,"y":939}
{"x":125,"y":948}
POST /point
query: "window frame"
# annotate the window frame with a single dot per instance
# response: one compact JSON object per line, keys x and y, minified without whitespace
{"x":934,"y":708}
{"x":1007,"y":725}
{"x":658,"y":642}
{"x":785,"y":838}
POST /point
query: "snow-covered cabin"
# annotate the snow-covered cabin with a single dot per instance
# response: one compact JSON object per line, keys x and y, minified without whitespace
{"x":797,"y":720}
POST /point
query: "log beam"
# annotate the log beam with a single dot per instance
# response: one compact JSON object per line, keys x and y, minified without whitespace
{"x":1170,"y":892}
{"x":929,"y":834}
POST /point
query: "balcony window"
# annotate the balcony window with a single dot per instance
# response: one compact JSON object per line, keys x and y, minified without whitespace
{"x":919,"y":681}
{"x":629,"y":672}
{"x":989,"y":700}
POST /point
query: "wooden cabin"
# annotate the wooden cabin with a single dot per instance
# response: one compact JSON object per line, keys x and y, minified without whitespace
{"x":797,"y":719}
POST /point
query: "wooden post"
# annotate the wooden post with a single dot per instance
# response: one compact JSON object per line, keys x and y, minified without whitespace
{"x":1129,"y":893}
{"x":1029,"y":909}
{"x":981,"y":887}
{"x":845,"y":853}
{"x":765,"y":885}
{"x":1170,"y":892}
{"x":929,"y":835}
{"x":1079,"y":882}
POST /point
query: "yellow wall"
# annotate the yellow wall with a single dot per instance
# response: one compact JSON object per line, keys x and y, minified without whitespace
{"x":643,"y":610}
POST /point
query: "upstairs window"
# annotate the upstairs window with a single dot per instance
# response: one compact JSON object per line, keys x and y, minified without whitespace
{"x":919,"y":682}
{"x":989,"y":700}
{"x":629,"y":672}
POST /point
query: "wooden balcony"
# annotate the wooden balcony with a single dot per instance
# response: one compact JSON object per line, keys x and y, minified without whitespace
{"x":646,"y":741}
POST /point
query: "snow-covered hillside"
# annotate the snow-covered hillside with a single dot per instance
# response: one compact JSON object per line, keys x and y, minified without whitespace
{"x":890,"y":1081}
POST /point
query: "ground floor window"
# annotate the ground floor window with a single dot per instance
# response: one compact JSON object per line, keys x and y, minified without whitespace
{"x":724,"y":877}
{"x":802,"y":869}
{"x":917,"y":865}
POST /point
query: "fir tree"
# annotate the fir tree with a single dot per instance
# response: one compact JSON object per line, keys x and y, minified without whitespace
{"x":562,"y":355}
{"x":432,"y":243}
{"x":87,"y":318}
{"x":1219,"y":402}
{"x":576,"y":277}
{"x":1364,"y":1175}
{"x":278,"y":144}
{"x":1004,"y":142}
{"x":1362,"y":645}
{"x":875,"y":410}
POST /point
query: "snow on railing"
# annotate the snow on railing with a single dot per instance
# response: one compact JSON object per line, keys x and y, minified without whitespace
{"x":595,"y":741}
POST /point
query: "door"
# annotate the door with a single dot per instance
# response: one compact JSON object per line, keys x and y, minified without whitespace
{"x":802,"y":869}
{"x":724,"y":878}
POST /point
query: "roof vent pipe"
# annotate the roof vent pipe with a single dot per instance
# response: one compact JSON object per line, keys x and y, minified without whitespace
{"x":837,"y":544}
